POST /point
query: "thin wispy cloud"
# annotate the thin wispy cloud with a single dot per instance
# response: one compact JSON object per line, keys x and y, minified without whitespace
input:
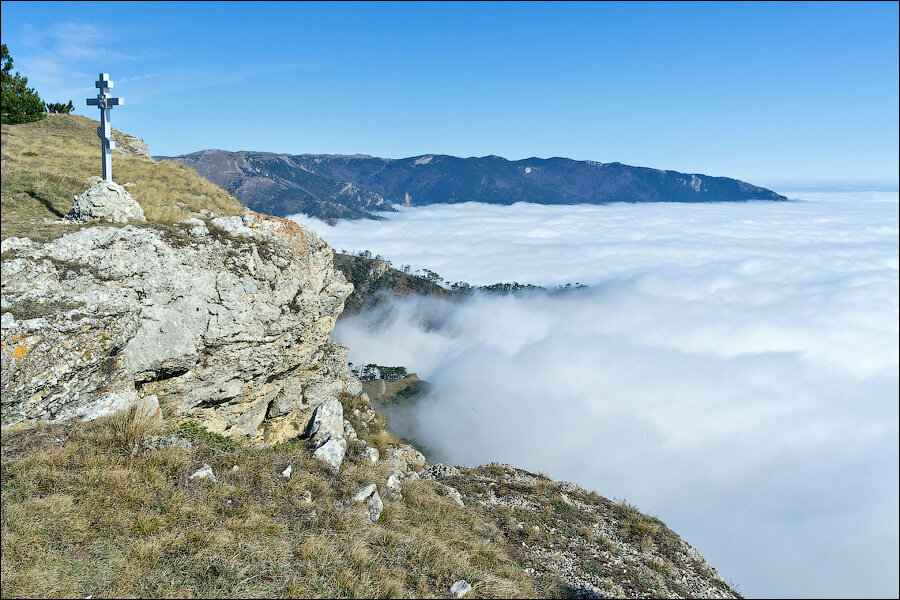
{"x":139,"y":77}
{"x":733,"y":368}
{"x":70,"y":41}
{"x":60,"y":59}
{"x":188,"y":79}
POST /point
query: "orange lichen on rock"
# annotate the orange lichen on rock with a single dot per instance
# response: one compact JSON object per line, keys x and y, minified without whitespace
{"x":19,"y":351}
{"x":287,"y":229}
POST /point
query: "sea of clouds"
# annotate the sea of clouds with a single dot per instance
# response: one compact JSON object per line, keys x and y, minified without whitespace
{"x":732,"y":368}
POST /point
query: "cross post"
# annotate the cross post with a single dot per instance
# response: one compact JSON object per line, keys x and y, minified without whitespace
{"x":105,"y":102}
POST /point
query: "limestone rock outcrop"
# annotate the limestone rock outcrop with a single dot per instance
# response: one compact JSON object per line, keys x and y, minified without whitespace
{"x":231,"y":330}
{"x":130,"y":145}
{"x":106,"y":200}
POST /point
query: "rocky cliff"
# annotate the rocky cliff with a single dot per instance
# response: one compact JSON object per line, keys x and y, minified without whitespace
{"x":226,"y":321}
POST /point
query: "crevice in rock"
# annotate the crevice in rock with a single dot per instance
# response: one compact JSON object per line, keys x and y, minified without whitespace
{"x":160,"y":375}
{"x":212,"y":402}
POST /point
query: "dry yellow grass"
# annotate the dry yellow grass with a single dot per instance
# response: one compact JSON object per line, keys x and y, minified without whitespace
{"x":46,"y":163}
{"x":83,"y":515}
{"x":130,"y":430}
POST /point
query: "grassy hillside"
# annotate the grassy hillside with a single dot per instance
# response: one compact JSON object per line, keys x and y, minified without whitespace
{"x":84,"y":513}
{"x":46,"y":163}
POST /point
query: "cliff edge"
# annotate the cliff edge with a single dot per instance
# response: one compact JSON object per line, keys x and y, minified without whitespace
{"x":178,"y":422}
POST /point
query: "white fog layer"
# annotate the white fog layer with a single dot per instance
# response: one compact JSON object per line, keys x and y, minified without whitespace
{"x":731,"y":369}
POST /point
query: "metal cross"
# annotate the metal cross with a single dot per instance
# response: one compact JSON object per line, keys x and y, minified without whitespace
{"x":105,"y":102}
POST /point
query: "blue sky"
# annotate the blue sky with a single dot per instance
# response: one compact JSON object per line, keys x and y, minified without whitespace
{"x":773,"y":93}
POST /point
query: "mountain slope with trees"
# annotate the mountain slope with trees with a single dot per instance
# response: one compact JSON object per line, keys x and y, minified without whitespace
{"x":278,"y":184}
{"x":370,"y":183}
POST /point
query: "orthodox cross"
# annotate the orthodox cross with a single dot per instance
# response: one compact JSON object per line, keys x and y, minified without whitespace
{"x":105,"y":102}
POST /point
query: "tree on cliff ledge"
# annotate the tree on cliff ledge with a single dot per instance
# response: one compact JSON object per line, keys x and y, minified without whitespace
{"x":19,"y":103}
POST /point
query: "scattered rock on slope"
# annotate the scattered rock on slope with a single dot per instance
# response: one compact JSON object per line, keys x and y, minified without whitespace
{"x":369,"y":496}
{"x":325,"y":432}
{"x":460,"y":589}
{"x":598,"y":548}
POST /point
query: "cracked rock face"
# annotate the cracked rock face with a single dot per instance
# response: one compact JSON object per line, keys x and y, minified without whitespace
{"x":231,"y":330}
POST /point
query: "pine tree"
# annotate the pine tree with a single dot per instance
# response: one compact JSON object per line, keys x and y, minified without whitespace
{"x":59,"y":107}
{"x":18,"y":103}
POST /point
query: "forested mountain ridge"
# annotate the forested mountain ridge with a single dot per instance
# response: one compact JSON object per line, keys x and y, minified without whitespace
{"x":350,"y":186}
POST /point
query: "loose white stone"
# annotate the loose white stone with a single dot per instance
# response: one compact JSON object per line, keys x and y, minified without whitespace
{"x":453,"y":493}
{"x":374,"y":505}
{"x":365,"y":492}
{"x":287,"y":472}
{"x":327,"y":421}
{"x":204,"y":472}
{"x":332,"y":452}
{"x":460,"y":589}
{"x":394,"y":487}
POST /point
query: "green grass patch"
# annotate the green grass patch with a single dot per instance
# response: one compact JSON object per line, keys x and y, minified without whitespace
{"x":201,"y":436}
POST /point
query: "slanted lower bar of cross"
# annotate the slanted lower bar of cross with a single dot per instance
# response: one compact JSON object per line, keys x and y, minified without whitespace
{"x":105,"y":102}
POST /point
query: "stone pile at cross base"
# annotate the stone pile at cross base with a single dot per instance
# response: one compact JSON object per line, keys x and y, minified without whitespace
{"x":226,"y":322}
{"x":106,"y":200}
